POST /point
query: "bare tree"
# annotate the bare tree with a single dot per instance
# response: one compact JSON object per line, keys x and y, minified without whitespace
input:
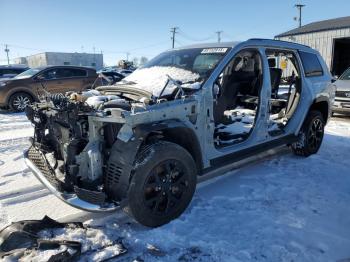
{"x":143,"y":60}
{"x":135,"y":61}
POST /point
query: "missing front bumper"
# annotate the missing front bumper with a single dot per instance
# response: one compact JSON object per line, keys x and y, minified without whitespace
{"x":46,"y":178}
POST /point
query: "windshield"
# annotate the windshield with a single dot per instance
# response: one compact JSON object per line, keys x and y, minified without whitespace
{"x":345,"y":75}
{"x":27,"y":74}
{"x":190,"y":66}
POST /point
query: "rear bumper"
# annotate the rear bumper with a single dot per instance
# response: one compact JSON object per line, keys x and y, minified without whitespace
{"x":71,"y":199}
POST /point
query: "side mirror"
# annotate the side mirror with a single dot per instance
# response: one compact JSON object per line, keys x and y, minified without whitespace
{"x":39,"y":78}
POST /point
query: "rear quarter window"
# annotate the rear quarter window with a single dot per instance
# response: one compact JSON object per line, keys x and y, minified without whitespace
{"x":311,"y":64}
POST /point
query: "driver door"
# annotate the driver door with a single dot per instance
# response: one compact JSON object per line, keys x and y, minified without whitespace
{"x":51,"y":80}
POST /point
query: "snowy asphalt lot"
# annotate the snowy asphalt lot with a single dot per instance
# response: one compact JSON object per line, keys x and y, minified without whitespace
{"x":282,"y":208}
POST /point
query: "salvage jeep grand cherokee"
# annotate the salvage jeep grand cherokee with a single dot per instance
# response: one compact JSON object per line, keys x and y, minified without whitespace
{"x":141,"y":143}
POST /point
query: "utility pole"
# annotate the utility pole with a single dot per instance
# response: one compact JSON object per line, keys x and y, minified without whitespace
{"x":7,"y":54}
{"x":173,"y":31}
{"x":219,"y":35}
{"x":94,"y":55}
{"x":127,"y":56}
{"x":300,"y":7}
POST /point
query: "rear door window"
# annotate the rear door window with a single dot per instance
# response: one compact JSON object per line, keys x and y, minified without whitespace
{"x":311,"y":64}
{"x":70,"y":72}
{"x":78,"y":72}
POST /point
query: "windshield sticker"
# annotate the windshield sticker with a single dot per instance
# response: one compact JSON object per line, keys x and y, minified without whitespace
{"x":214,"y":50}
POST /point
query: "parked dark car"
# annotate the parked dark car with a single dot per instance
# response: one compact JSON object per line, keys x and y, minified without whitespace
{"x":109,"y":77}
{"x":25,"y":88}
{"x":9,"y":71}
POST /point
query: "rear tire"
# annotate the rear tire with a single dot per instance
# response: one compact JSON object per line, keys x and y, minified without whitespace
{"x":162,"y":185}
{"x":19,"y":101}
{"x":310,"y":136}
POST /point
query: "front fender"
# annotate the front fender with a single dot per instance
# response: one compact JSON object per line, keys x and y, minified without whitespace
{"x":123,"y":154}
{"x":21,"y":89}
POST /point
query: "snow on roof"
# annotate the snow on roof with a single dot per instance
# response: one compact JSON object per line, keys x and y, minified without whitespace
{"x":153,"y":79}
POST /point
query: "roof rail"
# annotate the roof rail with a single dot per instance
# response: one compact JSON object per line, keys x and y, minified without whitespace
{"x":276,"y":40}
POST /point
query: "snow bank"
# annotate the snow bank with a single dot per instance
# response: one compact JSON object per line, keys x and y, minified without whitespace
{"x":285,"y":208}
{"x":154,"y":78}
{"x":22,"y":196}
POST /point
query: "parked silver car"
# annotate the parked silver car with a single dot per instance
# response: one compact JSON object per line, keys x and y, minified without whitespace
{"x":342,"y":94}
{"x":142,"y":143}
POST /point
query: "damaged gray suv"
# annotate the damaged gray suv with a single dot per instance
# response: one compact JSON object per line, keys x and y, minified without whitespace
{"x":141,"y":144}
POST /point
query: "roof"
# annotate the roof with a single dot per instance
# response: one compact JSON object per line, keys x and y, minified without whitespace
{"x":64,"y":66}
{"x":331,"y":24}
{"x":273,"y":43}
{"x":14,"y":66}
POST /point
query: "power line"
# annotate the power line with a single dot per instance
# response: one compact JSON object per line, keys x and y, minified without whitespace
{"x":299,"y":7}
{"x":227,"y":36}
{"x":194,"y":39}
{"x":23,"y":47}
{"x":179,"y":43}
{"x":174,"y":32}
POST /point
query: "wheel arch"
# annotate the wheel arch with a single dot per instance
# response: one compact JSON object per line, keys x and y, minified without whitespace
{"x":20,"y":90}
{"x":123,"y":154}
{"x":321,"y":104}
{"x":184,"y":137}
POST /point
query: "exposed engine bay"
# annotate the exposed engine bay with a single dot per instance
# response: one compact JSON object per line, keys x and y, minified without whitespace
{"x":73,"y":151}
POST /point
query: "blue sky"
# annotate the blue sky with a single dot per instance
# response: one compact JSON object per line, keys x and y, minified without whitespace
{"x":142,"y":28}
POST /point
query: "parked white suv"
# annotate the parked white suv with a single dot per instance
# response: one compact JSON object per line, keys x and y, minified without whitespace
{"x":342,"y":94}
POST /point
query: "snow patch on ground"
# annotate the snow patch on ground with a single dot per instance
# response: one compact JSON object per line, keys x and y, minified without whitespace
{"x":21,"y":195}
{"x":283,"y":208}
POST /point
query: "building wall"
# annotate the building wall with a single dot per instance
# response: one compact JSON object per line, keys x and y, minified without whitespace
{"x":321,"y":41}
{"x":78,"y":59}
{"x":36,"y":60}
{"x":55,"y":58}
{"x":20,"y":60}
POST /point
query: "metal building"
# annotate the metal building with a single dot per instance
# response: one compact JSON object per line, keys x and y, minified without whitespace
{"x":57,"y":58}
{"x":330,"y":37}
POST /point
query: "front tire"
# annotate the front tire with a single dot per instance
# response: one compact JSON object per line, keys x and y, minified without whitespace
{"x":162,"y":185}
{"x":311,"y":135}
{"x":19,"y":101}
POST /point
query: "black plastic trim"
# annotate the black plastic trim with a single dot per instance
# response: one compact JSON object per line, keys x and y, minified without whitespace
{"x":245,"y":153}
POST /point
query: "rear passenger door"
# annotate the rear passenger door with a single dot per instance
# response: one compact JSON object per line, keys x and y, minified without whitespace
{"x":71,"y":79}
{"x":285,"y":88}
